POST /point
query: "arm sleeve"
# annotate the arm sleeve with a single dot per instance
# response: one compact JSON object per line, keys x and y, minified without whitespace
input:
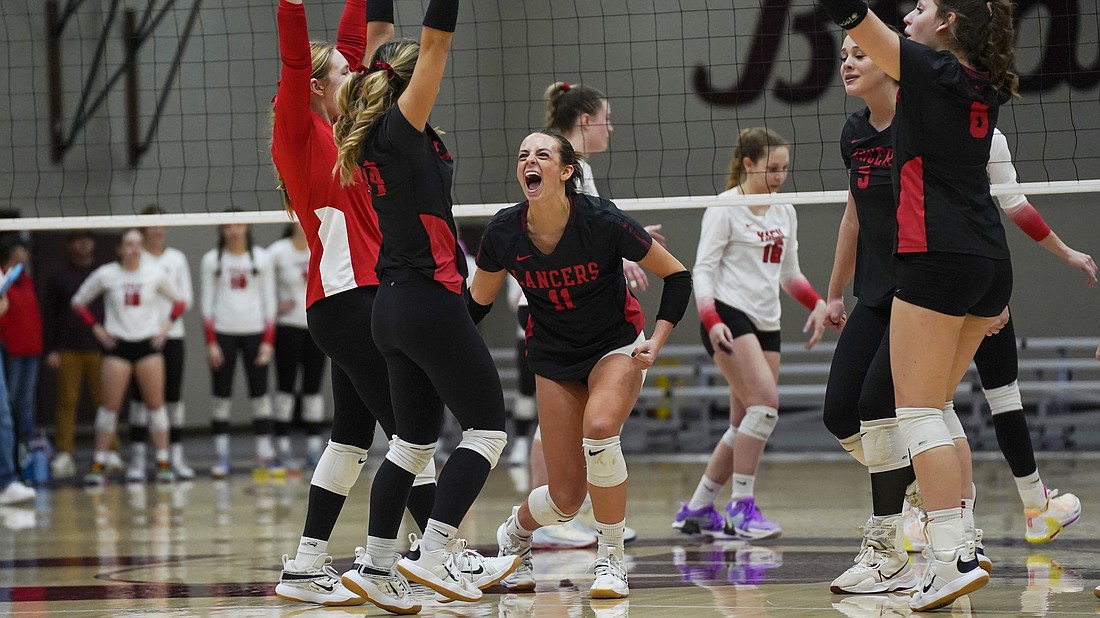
{"x":267,"y":292}
{"x":1002,"y":172}
{"x":183,"y":284}
{"x":91,"y":289}
{"x":708,"y":258}
{"x":920,"y":65}
{"x":208,"y":287}
{"x":351,"y":37}
{"x":788,"y":262}
{"x":292,"y":111}
{"x":633,"y":241}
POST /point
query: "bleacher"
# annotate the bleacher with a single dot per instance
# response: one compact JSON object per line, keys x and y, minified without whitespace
{"x":684,"y":404}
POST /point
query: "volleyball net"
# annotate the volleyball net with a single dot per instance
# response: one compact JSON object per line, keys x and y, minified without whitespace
{"x":112,"y":105}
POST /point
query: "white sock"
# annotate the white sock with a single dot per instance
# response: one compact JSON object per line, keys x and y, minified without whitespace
{"x":309,"y":550}
{"x":610,"y":538}
{"x":515,"y":528}
{"x":706,"y":493}
{"x":968,"y":517}
{"x":945,"y":532}
{"x":1032,"y":491}
{"x":381,"y":551}
{"x":283,"y":442}
{"x":137,"y":454}
{"x":100,"y":457}
{"x":221,"y":445}
{"x":743,"y":485}
{"x":315,"y":444}
{"x":264,"y":448}
{"x":436,"y":535}
{"x":162,"y":456}
{"x":177,"y":452}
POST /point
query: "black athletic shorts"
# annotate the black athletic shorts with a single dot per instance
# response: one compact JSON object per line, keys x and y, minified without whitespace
{"x":955,"y":283}
{"x":740,"y":324}
{"x":132,"y":351}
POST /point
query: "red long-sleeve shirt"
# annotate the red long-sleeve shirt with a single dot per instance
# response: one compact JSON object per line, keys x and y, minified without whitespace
{"x":341,"y":226}
{"x":21,"y":326}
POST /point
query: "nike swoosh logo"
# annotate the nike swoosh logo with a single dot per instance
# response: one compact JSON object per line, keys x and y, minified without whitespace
{"x":479,"y":571}
{"x":311,"y":543}
{"x":594,"y":453}
{"x":324,"y":587}
{"x":363,"y":460}
{"x":520,"y":258}
{"x":929,"y":586}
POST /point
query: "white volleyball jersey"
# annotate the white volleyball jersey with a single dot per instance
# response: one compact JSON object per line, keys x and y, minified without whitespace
{"x":291,"y":269}
{"x":588,"y":187}
{"x":175,"y":265}
{"x":238,"y":295}
{"x":742,"y":258}
{"x":1001,"y":171}
{"x":131,"y":298}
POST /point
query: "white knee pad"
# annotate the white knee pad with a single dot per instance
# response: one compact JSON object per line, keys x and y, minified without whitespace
{"x":106,"y":421}
{"x":219,"y":409}
{"x":954,"y":425}
{"x":524,"y":409}
{"x":883,"y":447}
{"x":176,"y":413}
{"x":543,"y":509}
{"x":313,"y":408}
{"x":485,"y":442}
{"x":759,"y":422}
{"x":261,"y":407}
{"x":284,"y":407}
{"x":729,"y":437}
{"x":426,"y":476}
{"x":923,"y":429}
{"x":606,"y":466}
{"x":338,"y":467}
{"x":1004,"y":398}
{"x":412,"y":458}
{"x":853,"y":445}
{"x":139,"y":414}
{"x":158,"y":420}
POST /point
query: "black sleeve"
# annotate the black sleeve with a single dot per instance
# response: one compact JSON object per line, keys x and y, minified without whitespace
{"x":920,"y":65}
{"x":487,"y":253}
{"x":397,"y":134}
{"x":631,"y":239}
{"x":846,"y":144}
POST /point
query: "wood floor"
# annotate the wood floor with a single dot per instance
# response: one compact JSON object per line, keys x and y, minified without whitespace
{"x":209,"y":548}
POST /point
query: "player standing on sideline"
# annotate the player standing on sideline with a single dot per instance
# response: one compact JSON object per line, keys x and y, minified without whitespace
{"x":71,"y":349}
{"x":859,"y":408}
{"x":21,"y":336}
{"x":953,"y":268}
{"x":343,"y":237}
{"x":585,"y":343}
{"x":175,"y":265}
{"x":420,"y":323}
{"x":132,"y":336}
{"x":238,"y":312}
{"x":746,"y":254}
{"x":295,"y":349}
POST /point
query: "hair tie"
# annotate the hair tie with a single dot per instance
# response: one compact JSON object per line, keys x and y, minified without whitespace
{"x":378,"y":65}
{"x":565,"y":86}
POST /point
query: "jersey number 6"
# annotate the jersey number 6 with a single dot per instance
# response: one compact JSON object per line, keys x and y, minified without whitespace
{"x":979,"y":120}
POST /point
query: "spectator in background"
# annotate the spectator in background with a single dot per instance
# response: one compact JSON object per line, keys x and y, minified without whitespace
{"x":71,"y":348}
{"x":21,"y":335}
{"x":11,"y":490}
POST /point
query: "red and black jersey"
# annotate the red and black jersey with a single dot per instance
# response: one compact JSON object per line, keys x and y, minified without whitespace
{"x":869,"y":157}
{"x":945,"y":118}
{"x":410,"y":174}
{"x":580,"y":305}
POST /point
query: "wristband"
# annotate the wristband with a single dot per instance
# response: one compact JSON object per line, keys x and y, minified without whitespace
{"x":845,"y":13}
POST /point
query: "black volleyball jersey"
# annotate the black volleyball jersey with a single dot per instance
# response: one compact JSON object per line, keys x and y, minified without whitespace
{"x":410,"y":175}
{"x":869,"y":157}
{"x":944,"y":127}
{"x":580,"y":305}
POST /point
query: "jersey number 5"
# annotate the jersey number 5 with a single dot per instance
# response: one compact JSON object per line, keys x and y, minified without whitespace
{"x":375,"y":178}
{"x":864,"y":177}
{"x":979,"y":120}
{"x":562,"y":302}
{"x":773,"y":253}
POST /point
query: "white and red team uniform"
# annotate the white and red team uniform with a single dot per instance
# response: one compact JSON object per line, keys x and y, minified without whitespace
{"x":240,"y":299}
{"x":291,"y":274}
{"x":132,"y":299}
{"x":742,"y":260}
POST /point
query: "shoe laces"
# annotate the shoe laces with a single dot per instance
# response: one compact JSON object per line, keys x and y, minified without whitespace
{"x":609,"y":565}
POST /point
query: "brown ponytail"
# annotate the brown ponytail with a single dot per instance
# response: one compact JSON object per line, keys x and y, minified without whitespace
{"x":984,"y":33}
{"x":754,"y":144}
{"x":565,"y":103}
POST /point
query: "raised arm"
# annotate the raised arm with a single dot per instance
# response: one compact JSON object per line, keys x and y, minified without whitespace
{"x":379,"y":25}
{"x":874,"y":37}
{"x":435,"y":44}
{"x":351,"y":34}
{"x":844,"y":266}
{"x":292,"y":111}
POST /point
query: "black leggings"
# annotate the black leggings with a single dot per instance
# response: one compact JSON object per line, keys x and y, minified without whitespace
{"x":526,"y":376}
{"x":247,"y":346}
{"x":435,"y":355}
{"x":294,"y":348}
{"x":997,"y":359}
{"x":861,"y":386}
{"x":341,"y":326}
